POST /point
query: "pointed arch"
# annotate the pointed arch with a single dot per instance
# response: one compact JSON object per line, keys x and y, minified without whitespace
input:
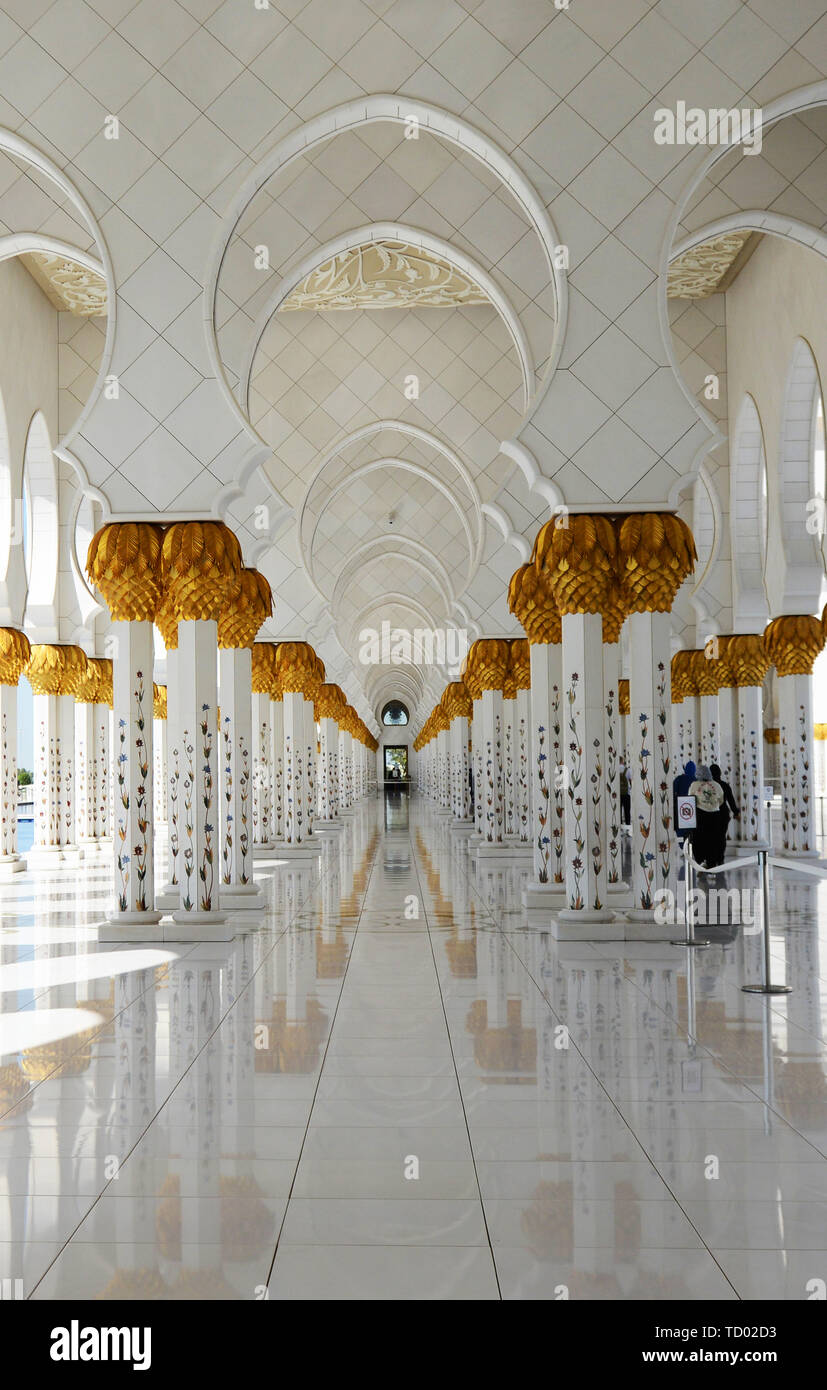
{"x":748,"y":521}
{"x":797,"y":484}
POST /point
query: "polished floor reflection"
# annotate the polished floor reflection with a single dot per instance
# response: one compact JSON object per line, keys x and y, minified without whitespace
{"x":394,"y":1086}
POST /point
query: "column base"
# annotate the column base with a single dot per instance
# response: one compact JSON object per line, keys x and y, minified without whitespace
{"x":45,"y":857}
{"x":94,"y":849}
{"x":327,"y":827}
{"x":303,"y":850}
{"x":796,"y":853}
{"x":131,"y":926}
{"x":461,"y":827}
{"x":543,"y":897}
{"x":264,"y":849}
{"x":198,"y":926}
{"x":504,"y":849}
{"x":169,"y":897}
{"x":11,"y":864}
{"x":241,"y":897}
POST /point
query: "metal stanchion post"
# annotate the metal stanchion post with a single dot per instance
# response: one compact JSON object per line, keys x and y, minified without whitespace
{"x":689,"y":882}
{"x":767,"y":987}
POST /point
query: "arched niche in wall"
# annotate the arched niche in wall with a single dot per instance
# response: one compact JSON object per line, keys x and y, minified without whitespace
{"x":41,"y":531}
{"x":748,"y":521}
{"x":803,"y":563}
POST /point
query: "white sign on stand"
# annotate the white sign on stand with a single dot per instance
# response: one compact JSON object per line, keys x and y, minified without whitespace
{"x":687,"y":816}
{"x":769,"y":793}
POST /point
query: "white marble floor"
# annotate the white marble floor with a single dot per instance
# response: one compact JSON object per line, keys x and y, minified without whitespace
{"x":392,"y":1086}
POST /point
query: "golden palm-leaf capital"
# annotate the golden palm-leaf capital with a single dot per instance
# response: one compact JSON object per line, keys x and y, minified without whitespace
{"x":487,"y":664}
{"x":457,"y":703}
{"x":201,"y":568}
{"x":706,"y":671}
{"x":793,"y":642}
{"x":242,"y":615}
{"x":520,"y":662}
{"x":578,"y":561}
{"x":683,"y":678}
{"x":263,"y":665}
{"x":124,"y":563}
{"x":56,"y":670}
{"x":15,"y":651}
{"x":656,"y":553}
{"x":104,"y":677}
{"x":88,"y":688}
{"x":297,"y":668}
{"x":747,"y":657}
{"x":327,"y":702}
{"x":159,"y":701}
{"x":534,"y":606}
{"x":614,"y":615}
{"x":166,"y":621}
{"x":623,"y":703}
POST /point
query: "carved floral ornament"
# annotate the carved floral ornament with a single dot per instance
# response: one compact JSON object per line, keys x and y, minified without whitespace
{"x":700,"y":271}
{"x":69,"y":286}
{"x":384,"y":274}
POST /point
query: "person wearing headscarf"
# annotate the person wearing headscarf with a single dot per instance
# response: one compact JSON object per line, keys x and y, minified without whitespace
{"x":709,"y":799}
{"x":728,"y":807}
{"x":680,"y":787}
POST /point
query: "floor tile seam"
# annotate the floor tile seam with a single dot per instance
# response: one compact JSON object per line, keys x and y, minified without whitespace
{"x":298,"y":1159}
{"x":456,"y":1077}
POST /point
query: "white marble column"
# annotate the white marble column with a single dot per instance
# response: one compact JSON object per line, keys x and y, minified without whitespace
{"x":238,"y":889}
{"x":650,"y":767}
{"x":169,"y":895}
{"x":132,"y":783}
{"x":754,"y":830}
{"x":492,"y":767}
{"x":10,"y":861}
{"x":199,"y":869}
{"x":710,"y":735}
{"x":795,"y":718}
{"x":346,"y":769}
{"x":86,"y":761}
{"x":461,"y":791}
{"x":310,"y":741}
{"x":584,"y":814}
{"x":510,"y":766}
{"x":160,"y":749}
{"x":477,"y":767}
{"x":277,"y":767}
{"x":546,"y":773}
{"x":328,"y":759}
{"x":522,"y":725}
{"x":103,"y":781}
{"x":612,"y":750}
{"x":262,"y":761}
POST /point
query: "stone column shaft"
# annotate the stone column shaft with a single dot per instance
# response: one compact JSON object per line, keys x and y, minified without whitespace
{"x":238,"y":889}
{"x":584,"y":762}
{"x":649,"y":765}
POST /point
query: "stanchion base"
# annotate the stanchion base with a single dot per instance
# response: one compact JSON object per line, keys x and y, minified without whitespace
{"x":699,"y":945}
{"x":766,"y":989}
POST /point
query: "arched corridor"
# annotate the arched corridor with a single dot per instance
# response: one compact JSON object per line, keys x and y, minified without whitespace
{"x":413,"y":617}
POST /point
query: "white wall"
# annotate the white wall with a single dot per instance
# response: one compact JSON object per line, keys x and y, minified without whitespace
{"x":28,"y":382}
{"x":779,"y":297}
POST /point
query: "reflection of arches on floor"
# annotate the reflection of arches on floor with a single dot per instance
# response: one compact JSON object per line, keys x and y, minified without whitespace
{"x":40,"y":524}
{"x":748,"y":521}
{"x":797,"y":484}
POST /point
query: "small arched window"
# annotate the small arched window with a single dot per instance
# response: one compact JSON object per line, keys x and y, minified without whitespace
{"x":395,"y":713}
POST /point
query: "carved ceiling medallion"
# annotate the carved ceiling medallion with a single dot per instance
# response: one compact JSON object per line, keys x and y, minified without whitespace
{"x":384,"y":275}
{"x":69,"y":287}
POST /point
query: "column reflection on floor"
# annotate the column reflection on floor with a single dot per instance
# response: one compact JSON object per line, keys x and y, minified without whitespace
{"x":395,"y":1084}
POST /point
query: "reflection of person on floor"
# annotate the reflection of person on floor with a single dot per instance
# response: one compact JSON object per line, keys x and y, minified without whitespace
{"x":471,"y":788}
{"x":709,"y":799}
{"x":727,"y":808}
{"x":680,"y":787}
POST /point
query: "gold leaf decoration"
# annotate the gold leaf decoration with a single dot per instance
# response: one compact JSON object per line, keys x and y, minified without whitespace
{"x":297,"y":667}
{"x":159,"y":701}
{"x":577,"y":560}
{"x":657,"y":553}
{"x":793,"y":643}
{"x":264,"y":667}
{"x":746,"y":657}
{"x":124,"y":562}
{"x":623,"y":701}
{"x":534,"y":607}
{"x":242,"y":617}
{"x":56,"y":670}
{"x":201,"y":568}
{"x":15,"y":651}
{"x":95,"y":685}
